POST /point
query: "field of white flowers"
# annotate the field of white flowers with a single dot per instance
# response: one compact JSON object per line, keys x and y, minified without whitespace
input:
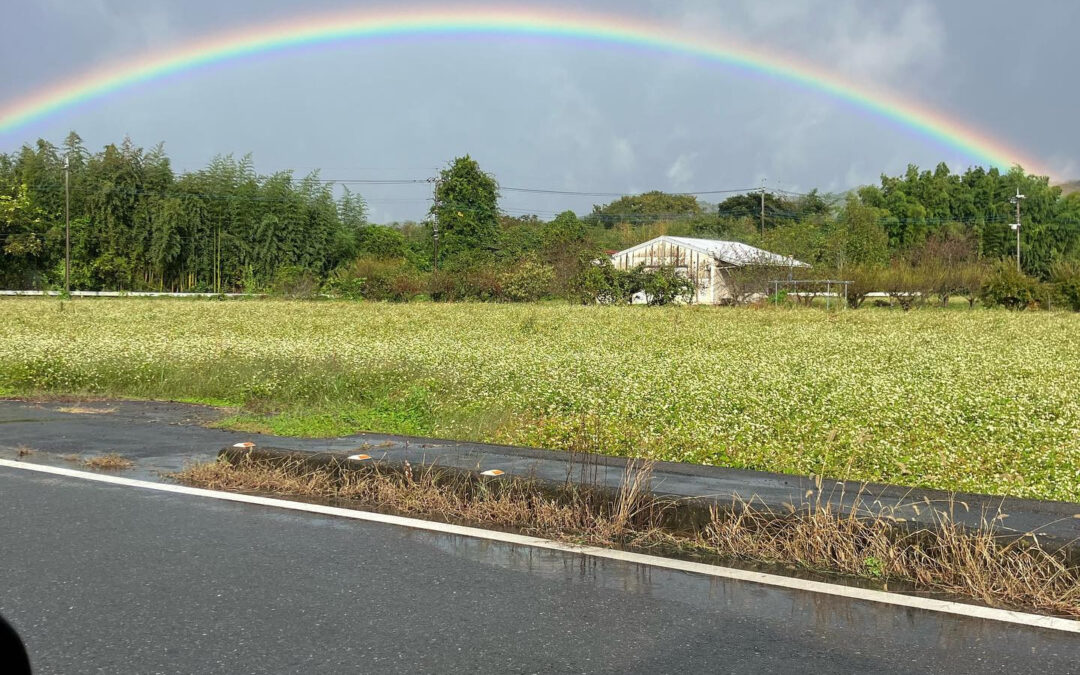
{"x":985,"y":401}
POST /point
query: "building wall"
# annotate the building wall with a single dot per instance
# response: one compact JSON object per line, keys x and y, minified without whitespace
{"x":710,"y":280}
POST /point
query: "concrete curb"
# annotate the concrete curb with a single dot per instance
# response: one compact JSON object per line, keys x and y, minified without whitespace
{"x":747,"y":477}
{"x":686,"y":512}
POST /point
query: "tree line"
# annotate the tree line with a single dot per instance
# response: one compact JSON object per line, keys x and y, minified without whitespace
{"x":138,"y":225}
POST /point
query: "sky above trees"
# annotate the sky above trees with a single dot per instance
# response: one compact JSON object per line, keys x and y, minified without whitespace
{"x":564,"y":116}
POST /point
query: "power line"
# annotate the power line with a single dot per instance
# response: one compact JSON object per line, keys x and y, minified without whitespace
{"x":794,"y":194}
{"x":577,"y":193}
{"x":364,"y":181}
{"x":770,"y":210}
{"x":313,"y":178}
{"x":745,"y":212}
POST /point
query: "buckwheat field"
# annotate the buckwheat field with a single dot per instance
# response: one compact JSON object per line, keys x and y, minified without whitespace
{"x":985,"y":401}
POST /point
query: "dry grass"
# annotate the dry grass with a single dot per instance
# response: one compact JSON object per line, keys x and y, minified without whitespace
{"x":521,"y":505}
{"x":83,"y":410}
{"x":947,"y":558}
{"x":979,"y":563}
{"x":110,"y":462}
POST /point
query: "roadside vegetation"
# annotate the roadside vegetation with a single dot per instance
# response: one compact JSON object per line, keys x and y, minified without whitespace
{"x":945,"y":558}
{"x":979,"y":401}
{"x":109,"y":462}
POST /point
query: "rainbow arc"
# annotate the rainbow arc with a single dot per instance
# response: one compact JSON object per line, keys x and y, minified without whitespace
{"x":951,"y":132}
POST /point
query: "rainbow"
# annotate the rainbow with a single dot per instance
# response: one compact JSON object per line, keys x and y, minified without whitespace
{"x":951,"y":132}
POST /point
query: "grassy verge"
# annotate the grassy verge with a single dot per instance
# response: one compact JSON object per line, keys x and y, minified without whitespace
{"x":973,"y":401}
{"x":976,"y":564}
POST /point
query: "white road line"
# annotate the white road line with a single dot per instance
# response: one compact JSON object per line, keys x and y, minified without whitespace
{"x":895,"y":599}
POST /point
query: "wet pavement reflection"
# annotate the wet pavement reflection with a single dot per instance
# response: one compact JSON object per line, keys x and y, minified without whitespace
{"x":802,"y":611}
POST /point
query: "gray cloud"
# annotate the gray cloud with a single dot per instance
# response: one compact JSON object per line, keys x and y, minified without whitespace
{"x":681,"y":171}
{"x":872,"y":42}
{"x":563,"y":114}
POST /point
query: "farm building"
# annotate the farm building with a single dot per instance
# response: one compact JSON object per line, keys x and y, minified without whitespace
{"x":709,"y":263}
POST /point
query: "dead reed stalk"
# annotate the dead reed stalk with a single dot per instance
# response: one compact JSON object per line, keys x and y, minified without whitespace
{"x":110,"y":462}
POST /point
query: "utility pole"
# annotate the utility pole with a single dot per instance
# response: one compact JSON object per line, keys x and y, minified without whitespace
{"x":1016,"y":225}
{"x":67,"y":225}
{"x":763,"y":207}
{"x":435,"y":223}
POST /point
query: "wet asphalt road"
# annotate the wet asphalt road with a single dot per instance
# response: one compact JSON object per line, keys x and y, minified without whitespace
{"x":101,"y":578}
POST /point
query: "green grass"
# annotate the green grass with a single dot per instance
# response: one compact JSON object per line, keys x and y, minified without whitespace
{"x":203,"y":400}
{"x":980,"y":400}
{"x":407,"y":414}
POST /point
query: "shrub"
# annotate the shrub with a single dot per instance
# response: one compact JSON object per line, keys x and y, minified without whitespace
{"x":598,"y":281}
{"x":406,"y":285}
{"x":969,"y":281}
{"x":945,"y":259}
{"x":1066,"y":277}
{"x":442,"y":286}
{"x":666,"y":285}
{"x":527,"y":281}
{"x":751,"y":281}
{"x":479,"y":282}
{"x":946,"y":278}
{"x":865,"y":279}
{"x":906,"y":285}
{"x":294,"y":282}
{"x":381,"y":242}
{"x":373,"y":279}
{"x":344,"y":286}
{"x":1008,"y":287}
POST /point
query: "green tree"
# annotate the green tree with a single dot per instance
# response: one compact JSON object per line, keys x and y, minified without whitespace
{"x":22,"y":238}
{"x":466,"y":208}
{"x":804,"y":240}
{"x":645,"y":208}
{"x":165,"y":239}
{"x":564,"y":229}
{"x":856,"y":238}
{"x":778,"y":209}
{"x":382,"y":243}
{"x":519,"y":237}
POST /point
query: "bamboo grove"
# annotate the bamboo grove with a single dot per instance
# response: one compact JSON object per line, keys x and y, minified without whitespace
{"x":135,"y":224}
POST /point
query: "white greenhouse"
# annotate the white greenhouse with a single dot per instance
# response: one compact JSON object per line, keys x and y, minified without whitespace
{"x":709,"y":263}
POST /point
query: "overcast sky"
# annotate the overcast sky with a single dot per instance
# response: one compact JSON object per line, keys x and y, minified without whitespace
{"x":562,"y":115}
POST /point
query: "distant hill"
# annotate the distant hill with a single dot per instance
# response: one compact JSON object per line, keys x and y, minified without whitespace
{"x":1071,"y":186}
